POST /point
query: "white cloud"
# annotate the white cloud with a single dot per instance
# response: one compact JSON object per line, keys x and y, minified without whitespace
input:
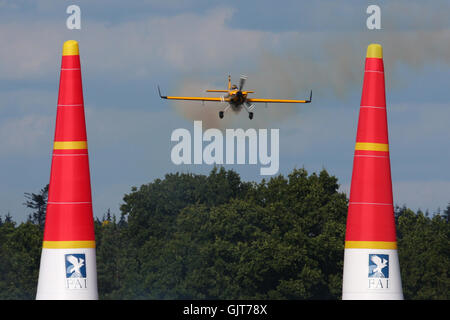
{"x":131,"y":48}
{"x":32,"y":49}
{"x":26,"y":135}
{"x":193,"y":42}
{"x":190,"y":46}
{"x":27,"y":119}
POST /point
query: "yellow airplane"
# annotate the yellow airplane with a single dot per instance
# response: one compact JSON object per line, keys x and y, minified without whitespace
{"x":236,"y":98}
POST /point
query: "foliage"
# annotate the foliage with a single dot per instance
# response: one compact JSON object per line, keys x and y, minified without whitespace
{"x":20,"y":249}
{"x":216,"y":237}
{"x":37,"y":201}
{"x":424,"y":255}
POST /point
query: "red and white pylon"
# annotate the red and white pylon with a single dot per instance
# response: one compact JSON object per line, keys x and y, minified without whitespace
{"x":68,"y":262}
{"x":371,"y":267}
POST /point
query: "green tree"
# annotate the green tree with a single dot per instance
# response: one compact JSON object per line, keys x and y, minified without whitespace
{"x":111,"y":257}
{"x":20,"y":250}
{"x":216,"y":237}
{"x":37,"y":201}
{"x":446,"y":212}
{"x":424,"y":255}
{"x":280,"y":239}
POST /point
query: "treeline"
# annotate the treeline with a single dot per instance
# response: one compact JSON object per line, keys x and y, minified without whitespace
{"x":193,"y":236}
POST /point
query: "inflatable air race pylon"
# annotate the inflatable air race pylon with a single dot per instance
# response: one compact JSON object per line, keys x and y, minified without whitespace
{"x":68,"y":267}
{"x":371,"y":267}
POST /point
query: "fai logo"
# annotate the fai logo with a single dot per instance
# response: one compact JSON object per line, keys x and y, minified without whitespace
{"x":75,"y":270}
{"x":378,"y":266}
{"x":378,"y":271}
{"x":75,"y":265}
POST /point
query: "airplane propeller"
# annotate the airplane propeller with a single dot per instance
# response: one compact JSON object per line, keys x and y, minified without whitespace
{"x":242,"y":82}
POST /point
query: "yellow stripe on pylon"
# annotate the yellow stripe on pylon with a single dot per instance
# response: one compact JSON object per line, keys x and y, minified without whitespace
{"x":371,"y":245}
{"x":369,"y":146}
{"x":68,"y":244}
{"x":59,"y":145}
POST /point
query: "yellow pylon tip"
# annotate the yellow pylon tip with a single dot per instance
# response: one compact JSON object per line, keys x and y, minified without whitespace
{"x":374,"y":50}
{"x":70,"y":48}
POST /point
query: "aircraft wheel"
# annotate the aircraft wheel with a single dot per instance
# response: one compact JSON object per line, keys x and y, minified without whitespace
{"x":221,"y":114}
{"x":250,"y":115}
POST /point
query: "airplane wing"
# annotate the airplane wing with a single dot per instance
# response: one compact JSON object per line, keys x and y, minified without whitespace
{"x":280,"y":100}
{"x":218,"y":99}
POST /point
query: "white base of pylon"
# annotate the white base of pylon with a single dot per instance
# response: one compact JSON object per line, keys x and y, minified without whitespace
{"x":67,"y":274}
{"x":371,"y":274}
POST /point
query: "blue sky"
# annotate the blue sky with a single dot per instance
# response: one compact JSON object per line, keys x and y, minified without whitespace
{"x":285,"y":48}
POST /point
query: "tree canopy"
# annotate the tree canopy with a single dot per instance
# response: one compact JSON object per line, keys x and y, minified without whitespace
{"x":215,"y":236}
